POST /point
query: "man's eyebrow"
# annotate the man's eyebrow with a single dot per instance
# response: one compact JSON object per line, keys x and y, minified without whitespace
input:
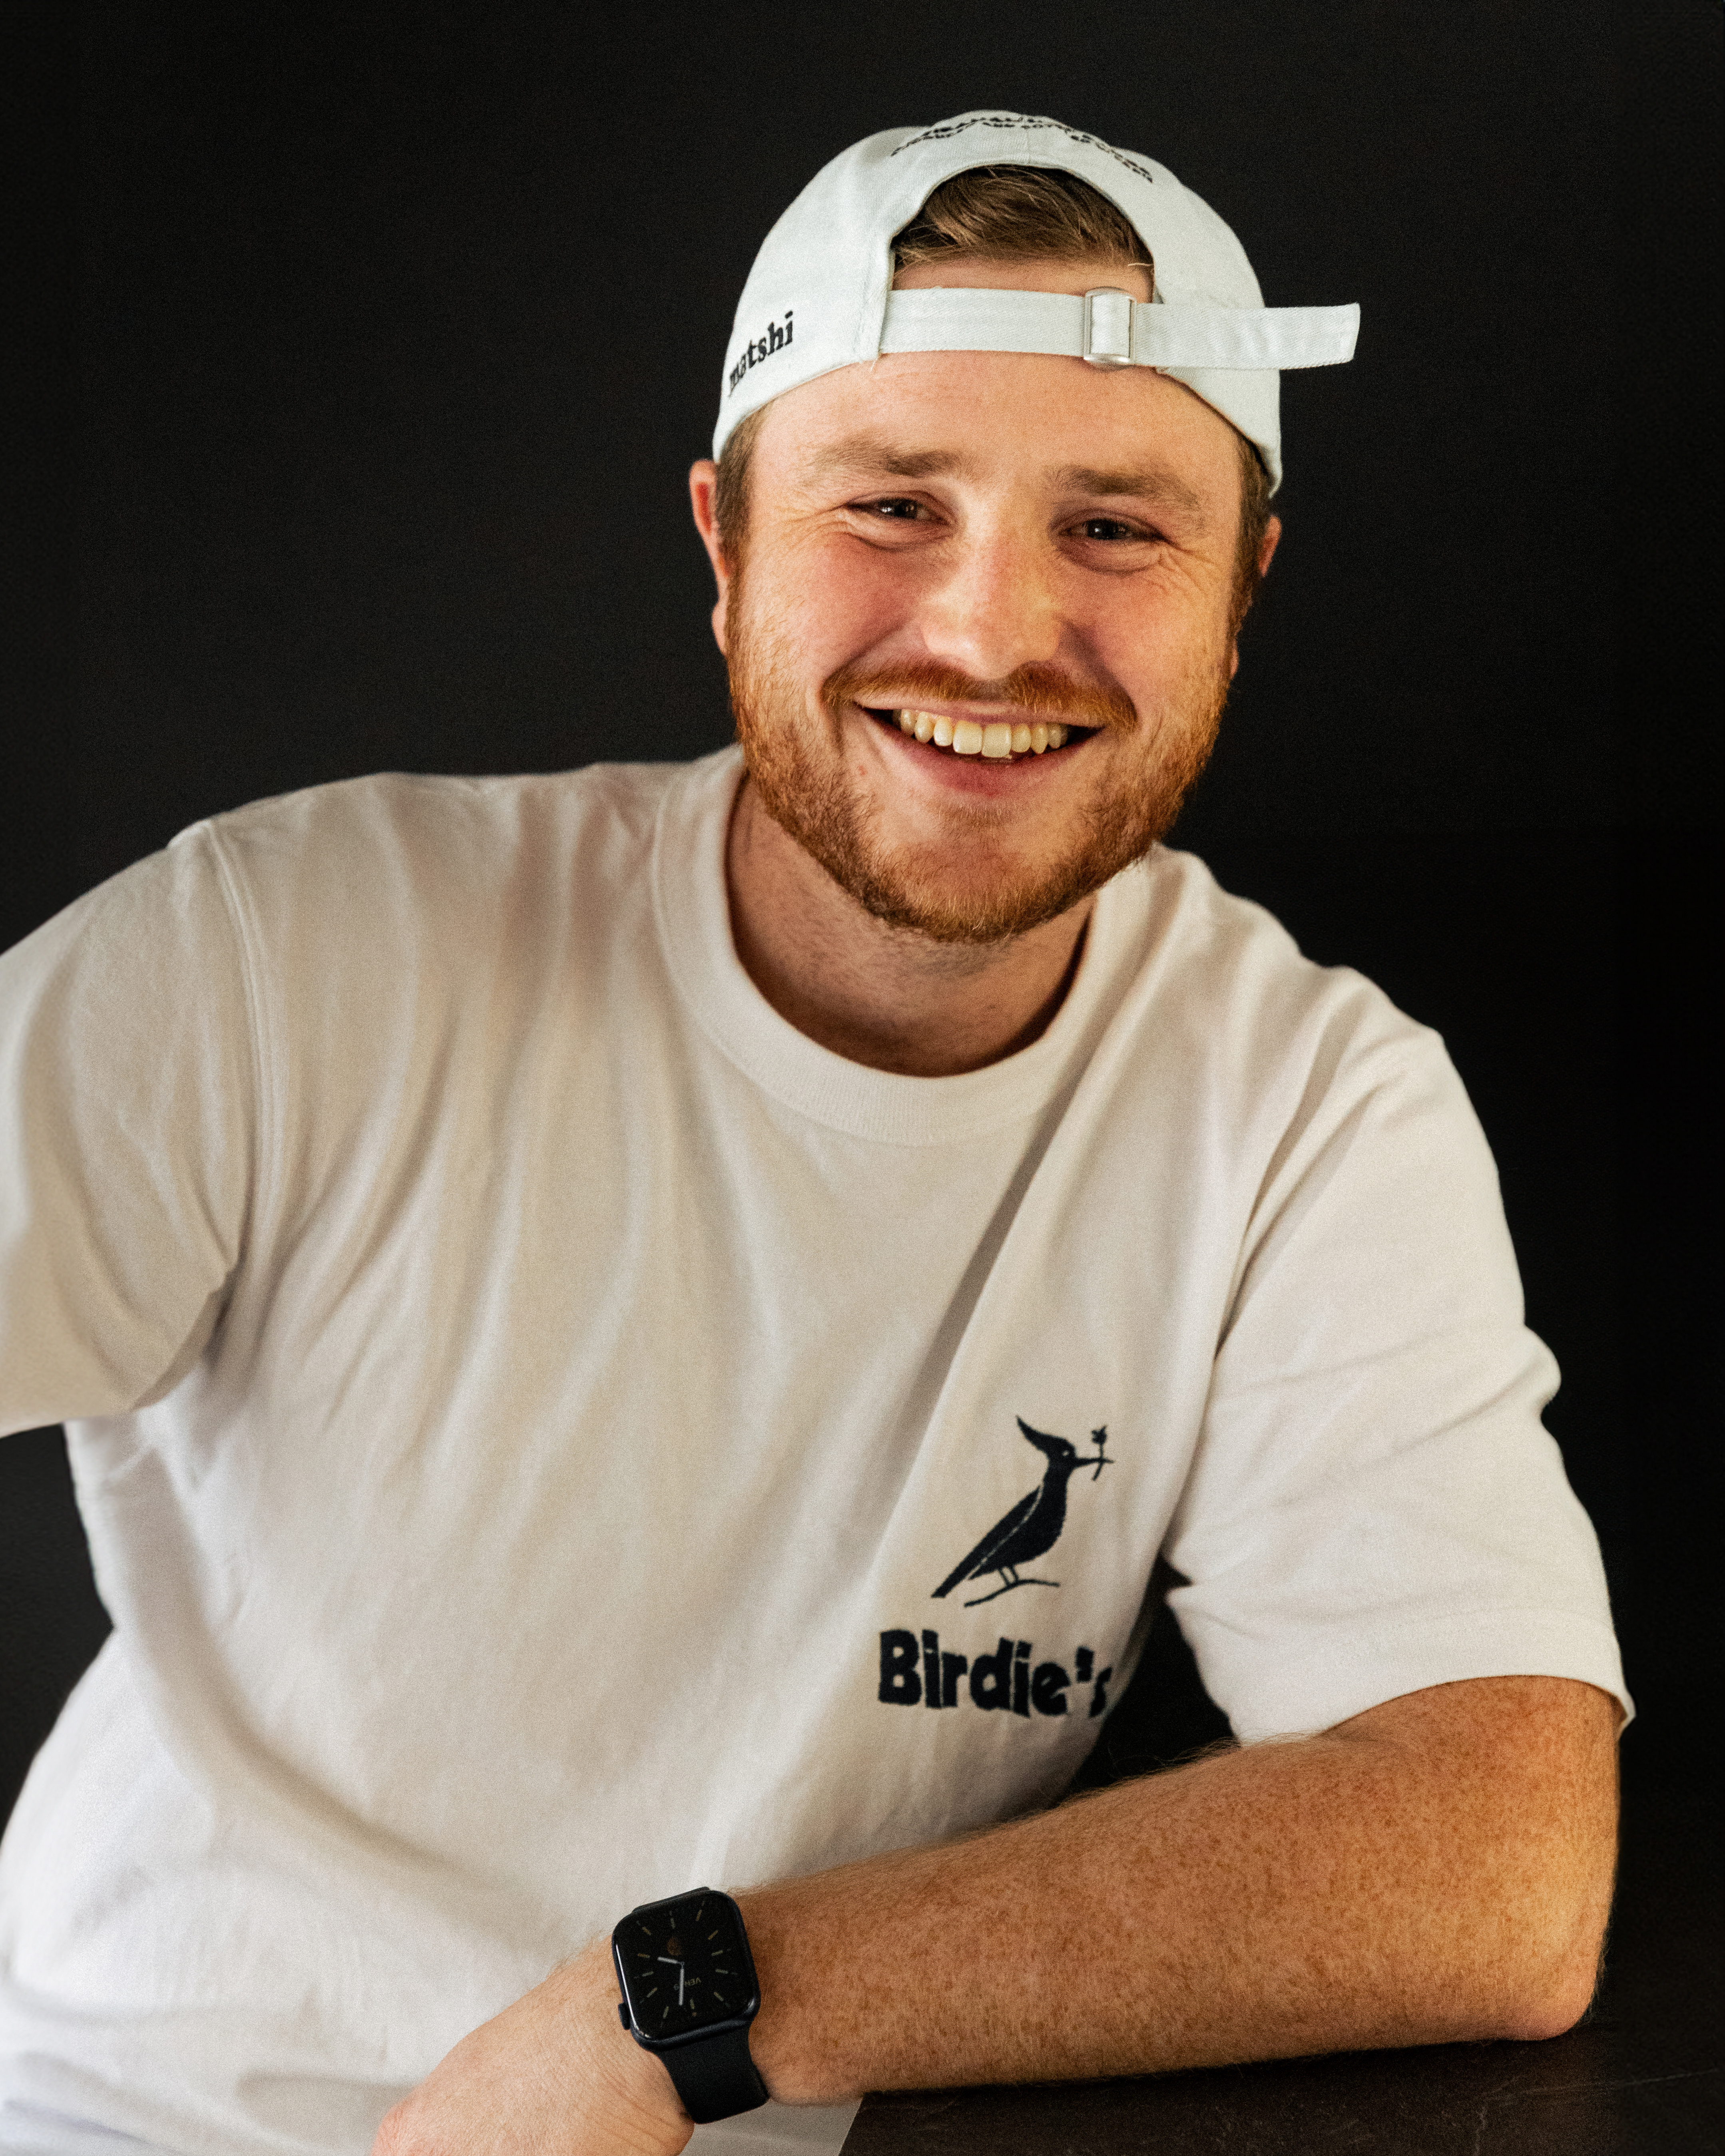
{"x":864,"y":454}
{"x":1149,"y":483}
{"x":861,"y":452}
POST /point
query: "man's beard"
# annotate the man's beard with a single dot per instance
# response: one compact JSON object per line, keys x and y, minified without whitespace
{"x":804,"y":786}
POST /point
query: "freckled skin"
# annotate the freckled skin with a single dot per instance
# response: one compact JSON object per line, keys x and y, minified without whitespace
{"x":1437,"y":1869}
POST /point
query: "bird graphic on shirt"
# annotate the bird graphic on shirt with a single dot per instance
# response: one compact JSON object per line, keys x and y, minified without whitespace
{"x":1034,"y":1525}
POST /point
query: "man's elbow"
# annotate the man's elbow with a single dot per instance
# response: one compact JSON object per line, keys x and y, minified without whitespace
{"x":1550,"y":1969}
{"x":1551,"y":2001}
{"x":1542,"y":1856}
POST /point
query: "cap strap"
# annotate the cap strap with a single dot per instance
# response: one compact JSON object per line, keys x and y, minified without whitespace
{"x":978,"y":318}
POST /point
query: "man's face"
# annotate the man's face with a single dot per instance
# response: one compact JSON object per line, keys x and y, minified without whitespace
{"x":996,"y":538}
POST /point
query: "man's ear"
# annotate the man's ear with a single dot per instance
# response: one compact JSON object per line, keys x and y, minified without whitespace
{"x":703,"y":496}
{"x":1266,"y":554}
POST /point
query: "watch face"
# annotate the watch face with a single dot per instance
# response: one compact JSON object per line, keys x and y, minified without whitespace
{"x":685,"y":1964}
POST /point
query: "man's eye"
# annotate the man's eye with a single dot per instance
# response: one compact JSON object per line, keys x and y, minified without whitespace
{"x":1108,"y":527}
{"x":896,"y":506}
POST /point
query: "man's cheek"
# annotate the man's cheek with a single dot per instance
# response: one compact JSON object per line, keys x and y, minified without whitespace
{"x":852,"y":600}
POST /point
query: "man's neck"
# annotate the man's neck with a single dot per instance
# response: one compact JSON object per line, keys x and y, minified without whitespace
{"x":878,"y":995}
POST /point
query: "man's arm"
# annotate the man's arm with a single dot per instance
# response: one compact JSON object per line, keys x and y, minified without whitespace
{"x":1439,"y":1868}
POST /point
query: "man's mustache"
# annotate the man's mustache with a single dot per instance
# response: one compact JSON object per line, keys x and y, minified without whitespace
{"x":1042,"y":689}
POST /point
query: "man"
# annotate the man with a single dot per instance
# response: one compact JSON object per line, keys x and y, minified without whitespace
{"x":637,"y":1334}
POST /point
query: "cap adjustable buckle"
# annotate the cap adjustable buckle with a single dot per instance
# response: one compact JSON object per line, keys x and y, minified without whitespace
{"x":1107,"y":327}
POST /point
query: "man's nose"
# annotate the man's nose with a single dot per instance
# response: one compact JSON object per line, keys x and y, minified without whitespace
{"x":995,"y":610}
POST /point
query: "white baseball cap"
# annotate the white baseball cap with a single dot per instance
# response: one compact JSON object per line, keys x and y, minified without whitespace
{"x":820,"y":295}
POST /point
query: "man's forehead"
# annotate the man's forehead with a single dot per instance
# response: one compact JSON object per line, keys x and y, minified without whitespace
{"x":869,"y":454}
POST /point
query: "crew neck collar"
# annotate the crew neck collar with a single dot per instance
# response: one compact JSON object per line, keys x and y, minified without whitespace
{"x":693,"y":915}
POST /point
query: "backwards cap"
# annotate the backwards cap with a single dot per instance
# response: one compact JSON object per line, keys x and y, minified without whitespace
{"x":819,"y":295}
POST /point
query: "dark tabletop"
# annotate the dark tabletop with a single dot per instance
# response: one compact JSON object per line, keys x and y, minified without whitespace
{"x":1642,"y":2072}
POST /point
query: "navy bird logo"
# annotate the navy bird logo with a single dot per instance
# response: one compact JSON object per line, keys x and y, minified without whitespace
{"x":1033,"y":1526}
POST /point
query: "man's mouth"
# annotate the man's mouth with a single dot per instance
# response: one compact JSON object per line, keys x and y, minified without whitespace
{"x":1002,"y":740}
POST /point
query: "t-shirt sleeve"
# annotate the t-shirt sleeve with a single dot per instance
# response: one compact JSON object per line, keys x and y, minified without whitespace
{"x":128,"y":1093}
{"x":1374,"y":1505}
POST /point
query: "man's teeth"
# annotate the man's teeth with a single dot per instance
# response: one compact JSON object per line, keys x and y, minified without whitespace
{"x":967,"y":737}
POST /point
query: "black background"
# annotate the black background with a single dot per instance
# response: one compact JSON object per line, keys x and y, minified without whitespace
{"x":364,"y":351}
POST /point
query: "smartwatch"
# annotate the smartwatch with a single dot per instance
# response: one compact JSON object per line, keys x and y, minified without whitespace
{"x":689,"y":1995}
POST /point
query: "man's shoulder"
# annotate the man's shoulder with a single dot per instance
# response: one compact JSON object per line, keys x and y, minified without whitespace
{"x":474,"y":814}
{"x":1230,"y":943}
{"x":439,"y":842}
{"x":1243,"y":985}
{"x":366,"y":876}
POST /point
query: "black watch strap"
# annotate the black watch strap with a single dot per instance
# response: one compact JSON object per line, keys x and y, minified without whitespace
{"x":716,"y":2077}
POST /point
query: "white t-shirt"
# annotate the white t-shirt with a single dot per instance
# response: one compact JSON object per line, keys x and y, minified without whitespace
{"x":543,"y":1423}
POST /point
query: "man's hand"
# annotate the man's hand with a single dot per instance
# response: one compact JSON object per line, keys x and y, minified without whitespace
{"x":555,"y":2074}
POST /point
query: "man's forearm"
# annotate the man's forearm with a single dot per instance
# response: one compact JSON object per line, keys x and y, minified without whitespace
{"x":1439,"y":1869}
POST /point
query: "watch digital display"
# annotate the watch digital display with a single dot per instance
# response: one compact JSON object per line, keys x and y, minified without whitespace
{"x":684,"y":1964}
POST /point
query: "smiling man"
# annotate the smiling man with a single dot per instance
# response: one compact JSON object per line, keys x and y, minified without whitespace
{"x":631,"y":1340}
